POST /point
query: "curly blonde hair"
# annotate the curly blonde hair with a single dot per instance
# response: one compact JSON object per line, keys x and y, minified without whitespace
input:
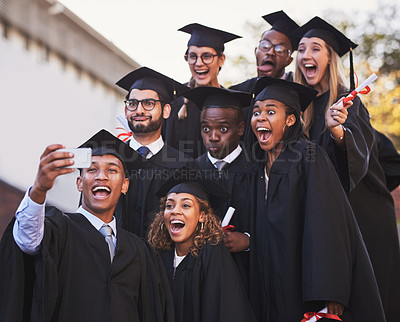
{"x":211,"y":232}
{"x":335,"y":80}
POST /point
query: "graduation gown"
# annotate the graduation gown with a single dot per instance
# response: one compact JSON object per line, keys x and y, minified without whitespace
{"x":363,"y":177}
{"x":142,"y":202}
{"x":207,"y":288}
{"x":238,"y":179}
{"x":308,"y":243}
{"x":389,"y":159}
{"x":76,"y":281}
{"x":184,"y":135}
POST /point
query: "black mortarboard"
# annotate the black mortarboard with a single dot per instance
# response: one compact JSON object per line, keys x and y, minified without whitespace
{"x":103,"y":142}
{"x":196,"y":183}
{"x":146,"y":78}
{"x":281,"y":22}
{"x":319,"y":28}
{"x":202,"y":36}
{"x":289,"y":93}
{"x":208,"y":96}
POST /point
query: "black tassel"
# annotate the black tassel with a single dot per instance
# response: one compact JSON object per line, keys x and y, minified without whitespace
{"x":352,"y":85}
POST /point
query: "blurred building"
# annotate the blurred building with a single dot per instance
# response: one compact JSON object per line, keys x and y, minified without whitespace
{"x":57,"y":80}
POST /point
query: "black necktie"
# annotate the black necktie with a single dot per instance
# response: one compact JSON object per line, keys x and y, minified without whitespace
{"x":144,"y":151}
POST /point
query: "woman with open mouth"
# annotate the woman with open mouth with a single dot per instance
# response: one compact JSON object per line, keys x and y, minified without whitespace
{"x":351,"y":142}
{"x":312,"y":258}
{"x":204,"y":279}
{"x":205,"y":57}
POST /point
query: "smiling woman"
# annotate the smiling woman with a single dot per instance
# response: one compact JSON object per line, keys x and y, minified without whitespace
{"x":205,"y":281}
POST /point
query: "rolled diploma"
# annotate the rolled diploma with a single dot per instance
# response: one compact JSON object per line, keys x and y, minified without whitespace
{"x":364,"y":84}
{"x":228,"y":216}
{"x":314,"y":319}
{"x":122,"y":119}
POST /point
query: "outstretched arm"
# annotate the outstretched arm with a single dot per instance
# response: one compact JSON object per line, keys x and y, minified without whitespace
{"x":28,"y":228}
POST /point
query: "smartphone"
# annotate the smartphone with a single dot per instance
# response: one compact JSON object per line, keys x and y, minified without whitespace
{"x":82,"y":157}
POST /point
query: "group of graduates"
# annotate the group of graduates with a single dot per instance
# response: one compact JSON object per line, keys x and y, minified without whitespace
{"x":313,"y":234}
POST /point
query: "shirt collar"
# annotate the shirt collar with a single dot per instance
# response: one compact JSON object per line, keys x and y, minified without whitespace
{"x":97,"y":222}
{"x":154,"y":147}
{"x":229,"y":158}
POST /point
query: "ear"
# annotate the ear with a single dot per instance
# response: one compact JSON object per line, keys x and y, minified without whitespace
{"x":79,"y":184}
{"x":125,"y":186}
{"x":221,"y":60}
{"x":241,"y":127}
{"x":202,"y":217}
{"x":290,"y":59}
{"x":290,"y":120}
{"x":166,"y":111}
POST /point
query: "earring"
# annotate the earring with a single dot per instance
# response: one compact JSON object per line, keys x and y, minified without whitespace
{"x":284,"y":128}
{"x":162,"y":226}
{"x":201,"y":226}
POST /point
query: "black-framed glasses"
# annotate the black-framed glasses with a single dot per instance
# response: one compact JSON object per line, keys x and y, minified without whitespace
{"x":148,"y":104}
{"x":266,"y":45}
{"x":206,"y":58}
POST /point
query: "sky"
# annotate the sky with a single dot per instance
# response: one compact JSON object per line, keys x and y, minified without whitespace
{"x":146,"y":30}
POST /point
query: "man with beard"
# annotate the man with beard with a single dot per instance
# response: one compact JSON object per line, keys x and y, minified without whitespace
{"x":147,"y":104}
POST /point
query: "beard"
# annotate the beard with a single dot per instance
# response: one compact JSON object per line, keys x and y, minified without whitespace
{"x":152,"y":126}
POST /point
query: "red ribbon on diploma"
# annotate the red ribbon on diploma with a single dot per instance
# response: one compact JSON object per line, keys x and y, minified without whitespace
{"x":320,"y":315}
{"x":124,"y":135}
{"x":228,"y":228}
{"x":354,"y":93}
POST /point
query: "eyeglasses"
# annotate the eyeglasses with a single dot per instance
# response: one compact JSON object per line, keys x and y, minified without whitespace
{"x":266,"y":45}
{"x":148,"y":104}
{"x":206,"y":58}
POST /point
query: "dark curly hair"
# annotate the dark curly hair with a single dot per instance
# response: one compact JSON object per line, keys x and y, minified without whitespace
{"x":211,"y":233}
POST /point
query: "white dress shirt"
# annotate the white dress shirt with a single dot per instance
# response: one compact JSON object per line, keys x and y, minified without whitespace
{"x":28,"y":228}
{"x":229,"y":158}
{"x":154,"y":147}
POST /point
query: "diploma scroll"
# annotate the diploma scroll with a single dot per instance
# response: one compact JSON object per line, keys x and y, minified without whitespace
{"x":315,"y":316}
{"x":365,"y":84}
{"x":227,"y":218}
{"x":126,"y":134}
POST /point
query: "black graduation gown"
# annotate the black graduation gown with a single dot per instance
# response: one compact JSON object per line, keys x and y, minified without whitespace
{"x":142,"y":202}
{"x":207,"y":288}
{"x":238,"y":179}
{"x":184,"y":135}
{"x":76,"y":281}
{"x":363,"y":178}
{"x":389,"y":159}
{"x":308,"y":242}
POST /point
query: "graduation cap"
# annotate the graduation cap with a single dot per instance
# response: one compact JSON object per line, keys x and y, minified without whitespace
{"x":208,"y":96}
{"x":319,"y":28}
{"x":103,"y":142}
{"x":194,"y":182}
{"x":203,"y":36}
{"x":281,"y":22}
{"x":145,"y":78}
{"x":289,"y":93}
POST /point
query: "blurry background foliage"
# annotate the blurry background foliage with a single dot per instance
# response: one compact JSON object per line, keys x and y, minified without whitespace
{"x":377,"y":33}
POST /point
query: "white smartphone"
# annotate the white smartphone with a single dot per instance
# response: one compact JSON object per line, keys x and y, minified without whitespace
{"x":82,"y":157}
